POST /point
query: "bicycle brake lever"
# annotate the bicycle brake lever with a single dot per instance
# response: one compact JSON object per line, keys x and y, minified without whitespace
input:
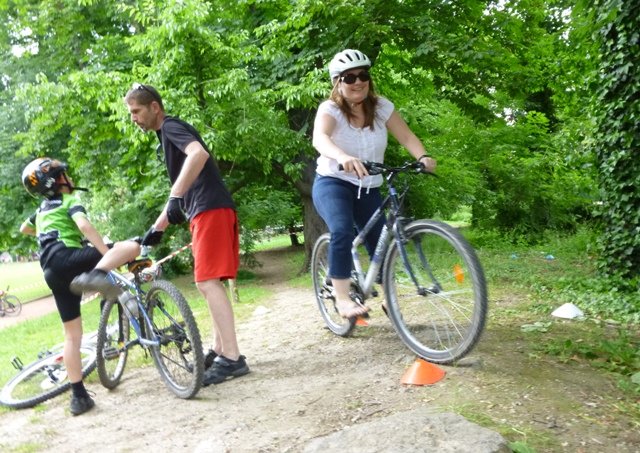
{"x":374,"y":168}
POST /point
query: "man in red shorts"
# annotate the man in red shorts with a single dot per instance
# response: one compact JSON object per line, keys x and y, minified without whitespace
{"x":199,"y":195}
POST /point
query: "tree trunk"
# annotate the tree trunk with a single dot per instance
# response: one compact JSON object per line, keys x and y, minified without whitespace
{"x":314,"y":226}
{"x":293,"y":235}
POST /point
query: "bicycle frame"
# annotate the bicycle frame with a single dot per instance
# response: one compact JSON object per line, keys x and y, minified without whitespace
{"x":394,"y":222}
{"x":136,"y":321}
{"x":435,"y":291}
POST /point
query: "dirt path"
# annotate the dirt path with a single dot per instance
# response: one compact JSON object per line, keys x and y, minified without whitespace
{"x":33,"y":309}
{"x":306,"y":382}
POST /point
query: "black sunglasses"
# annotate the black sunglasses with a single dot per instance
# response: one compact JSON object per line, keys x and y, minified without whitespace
{"x":350,"y":79}
{"x":142,"y":87}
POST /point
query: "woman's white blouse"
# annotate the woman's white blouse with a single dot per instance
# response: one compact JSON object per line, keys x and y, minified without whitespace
{"x":363,"y":143}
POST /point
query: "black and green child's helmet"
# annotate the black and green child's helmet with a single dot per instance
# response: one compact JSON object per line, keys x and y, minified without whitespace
{"x":40,"y":177}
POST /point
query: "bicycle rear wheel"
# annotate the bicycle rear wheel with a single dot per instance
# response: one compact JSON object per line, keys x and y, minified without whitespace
{"x":179,"y":357}
{"x":113,"y":337}
{"x":438,"y":301}
{"x":12,"y":305}
{"x":43,"y":379}
{"x":323,"y":290}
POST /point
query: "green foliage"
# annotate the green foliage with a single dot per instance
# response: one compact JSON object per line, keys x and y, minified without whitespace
{"x":530,"y":186}
{"x":521,"y":447}
{"x":617,"y":113}
{"x":494,"y":90}
{"x":264,"y":208}
{"x":559,"y":268}
{"x":615,"y":350}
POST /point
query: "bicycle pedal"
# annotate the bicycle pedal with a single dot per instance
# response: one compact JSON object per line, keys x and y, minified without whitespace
{"x":17,"y":363}
{"x":110,"y":353}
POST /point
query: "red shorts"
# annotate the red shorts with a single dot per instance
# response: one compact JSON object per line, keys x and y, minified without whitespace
{"x":215,"y":245}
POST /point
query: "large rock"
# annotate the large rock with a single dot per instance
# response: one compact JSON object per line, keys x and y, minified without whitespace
{"x":420,"y":430}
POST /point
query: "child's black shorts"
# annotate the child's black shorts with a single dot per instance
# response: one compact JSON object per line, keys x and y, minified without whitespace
{"x":61,"y":268}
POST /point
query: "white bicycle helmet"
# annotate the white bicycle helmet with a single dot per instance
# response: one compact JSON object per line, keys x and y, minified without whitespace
{"x":347,"y":59}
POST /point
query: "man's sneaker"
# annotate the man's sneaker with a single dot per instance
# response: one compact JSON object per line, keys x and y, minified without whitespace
{"x":209,"y":358}
{"x":81,"y":404}
{"x":224,"y":368}
{"x":95,"y":280}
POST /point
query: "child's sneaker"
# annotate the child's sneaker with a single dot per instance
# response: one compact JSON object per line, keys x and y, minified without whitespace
{"x":81,"y":404}
{"x":95,"y":280}
{"x":224,"y":368}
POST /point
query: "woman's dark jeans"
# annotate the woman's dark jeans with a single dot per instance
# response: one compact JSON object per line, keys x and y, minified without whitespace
{"x":338,"y":204}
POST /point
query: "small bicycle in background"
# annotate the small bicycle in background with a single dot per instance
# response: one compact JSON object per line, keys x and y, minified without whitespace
{"x":434,"y":285}
{"x":10,"y":305}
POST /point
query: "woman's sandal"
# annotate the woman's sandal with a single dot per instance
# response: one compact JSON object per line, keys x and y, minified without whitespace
{"x":362,"y":311}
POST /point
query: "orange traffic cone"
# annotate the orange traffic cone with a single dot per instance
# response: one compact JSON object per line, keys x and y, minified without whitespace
{"x":422,"y":373}
{"x":360,"y":321}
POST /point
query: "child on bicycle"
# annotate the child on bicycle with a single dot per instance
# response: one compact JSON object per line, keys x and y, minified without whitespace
{"x":60,"y":223}
{"x":350,"y":127}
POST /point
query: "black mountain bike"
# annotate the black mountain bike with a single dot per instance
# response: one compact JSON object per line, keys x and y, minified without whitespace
{"x":159,"y":320}
{"x":434,"y":285}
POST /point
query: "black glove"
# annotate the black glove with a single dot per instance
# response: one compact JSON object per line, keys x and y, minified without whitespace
{"x":175,"y":211}
{"x":152,"y":237}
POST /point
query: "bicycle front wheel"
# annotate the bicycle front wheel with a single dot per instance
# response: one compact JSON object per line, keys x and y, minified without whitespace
{"x":436,"y":291}
{"x":179,"y":357}
{"x":12,"y":305}
{"x":43,"y":379}
{"x":323,"y":290}
{"x":112,"y":344}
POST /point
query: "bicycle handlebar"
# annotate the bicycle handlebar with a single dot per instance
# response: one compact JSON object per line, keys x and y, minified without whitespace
{"x":378,"y":168}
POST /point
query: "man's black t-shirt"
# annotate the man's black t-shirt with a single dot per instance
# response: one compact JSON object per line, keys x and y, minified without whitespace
{"x":208,"y":190}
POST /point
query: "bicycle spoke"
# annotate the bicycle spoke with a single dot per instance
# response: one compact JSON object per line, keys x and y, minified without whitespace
{"x":43,"y":379}
{"x":179,"y":356}
{"x":443,"y":322}
{"x":112,"y":344}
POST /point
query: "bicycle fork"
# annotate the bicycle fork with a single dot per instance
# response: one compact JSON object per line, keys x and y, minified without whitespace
{"x":401,"y":240}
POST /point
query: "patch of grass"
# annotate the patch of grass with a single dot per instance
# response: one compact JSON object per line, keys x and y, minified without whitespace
{"x":521,"y":447}
{"x":462,"y":218}
{"x":25,"y":280}
{"x":522,"y":438}
{"x":25,"y":340}
{"x":27,"y":447}
{"x":608,"y":347}
{"x":273,"y":242}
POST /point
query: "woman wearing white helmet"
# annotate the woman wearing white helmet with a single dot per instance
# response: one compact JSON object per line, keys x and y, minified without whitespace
{"x":351,"y":127}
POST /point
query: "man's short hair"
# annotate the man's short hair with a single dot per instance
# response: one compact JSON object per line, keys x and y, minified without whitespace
{"x":144,"y":95}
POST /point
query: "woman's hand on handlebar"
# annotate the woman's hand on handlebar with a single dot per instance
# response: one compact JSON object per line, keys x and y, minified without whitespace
{"x":429,"y":164}
{"x":352,"y":164}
